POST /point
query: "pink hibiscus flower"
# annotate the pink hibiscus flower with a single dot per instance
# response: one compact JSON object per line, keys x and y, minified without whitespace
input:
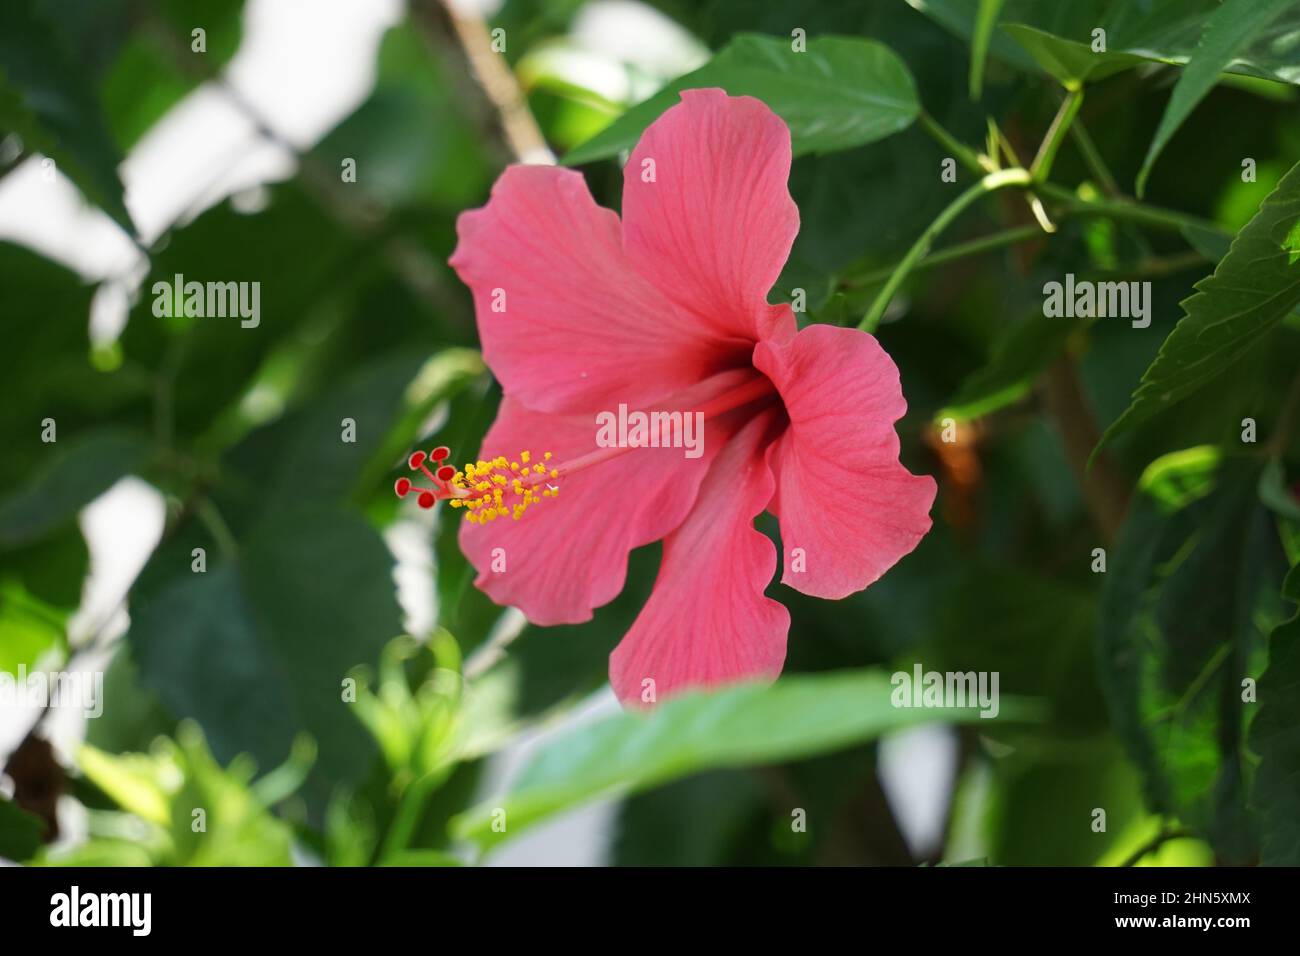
{"x":667,"y":311}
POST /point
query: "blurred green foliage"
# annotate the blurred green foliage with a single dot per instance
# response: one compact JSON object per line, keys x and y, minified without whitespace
{"x":280,"y":692}
{"x":177,"y":807}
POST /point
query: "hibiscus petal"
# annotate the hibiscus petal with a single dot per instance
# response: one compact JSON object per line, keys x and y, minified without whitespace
{"x":713,"y":227}
{"x":844,"y":497}
{"x":562,"y":314}
{"x":707,"y":621}
{"x":568,"y":555}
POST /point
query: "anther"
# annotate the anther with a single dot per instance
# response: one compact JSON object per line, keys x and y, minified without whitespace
{"x":482,"y":487}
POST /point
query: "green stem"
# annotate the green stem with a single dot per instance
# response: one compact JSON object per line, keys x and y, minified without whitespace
{"x":960,"y":250}
{"x":414,"y":801}
{"x":1017,"y":234}
{"x":990,"y":183}
{"x":1154,"y":266}
{"x":1042,"y":165}
{"x":1035,"y":178}
{"x":1160,"y":839}
{"x":985,"y":20}
{"x":1127,"y":209}
{"x":1092,"y":156}
{"x":969,"y":158}
{"x":217,"y":527}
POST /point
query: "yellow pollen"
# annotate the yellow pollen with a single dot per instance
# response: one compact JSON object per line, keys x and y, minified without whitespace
{"x":503,"y":487}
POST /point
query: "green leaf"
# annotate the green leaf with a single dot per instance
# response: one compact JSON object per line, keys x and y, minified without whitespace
{"x":29,"y":628}
{"x":1213,"y":245}
{"x":985,"y":21}
{"x":140,"y":86}
{"x":132,"y":781}
{"x":46,"y":366}
{"x":1188,"y":595}
{"x":841,"y":92}
{"x":868,"y":203}
{"x":1071,"y":62}
{"x":73,"y":477}
{"x":168,"y":786}
{"x":239,"y":829}
{"x":411,"y":140}
{"x":1275,"y":737}
{"x":1175,"y":480}
{"x":45,"y":98}
{"x":1292,"y":244}
{"x":1158,"y":31}
{"x":1251,"y":291}
{"x":372,"y":397}
{"x":1228,"y":32}
{"x":961,"y":17}
{"x":212,"y":362}
{"x":154,"y":68}
{"x":20,"y":832}
{"x":256,"y":649}
{"x":799,"y":716}
{"x":50,"y":571}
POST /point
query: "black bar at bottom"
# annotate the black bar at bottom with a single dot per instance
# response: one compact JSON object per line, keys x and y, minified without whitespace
{"x":330,"y":905}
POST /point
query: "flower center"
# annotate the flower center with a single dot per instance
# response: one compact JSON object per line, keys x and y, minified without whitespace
{"x":507,"y":488}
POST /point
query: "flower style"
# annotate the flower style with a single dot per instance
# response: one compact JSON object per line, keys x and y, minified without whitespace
{"x":667,"y":310}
